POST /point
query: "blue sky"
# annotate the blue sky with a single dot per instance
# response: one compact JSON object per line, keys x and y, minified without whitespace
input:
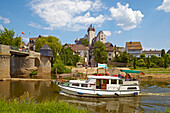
{"x":147,"y":21}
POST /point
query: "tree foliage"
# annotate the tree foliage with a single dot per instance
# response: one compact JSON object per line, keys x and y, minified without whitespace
{"x":67,"y":56}
{"x":148,"y":63}
{"x":85,"y":42}
{"x":100,"y":52}
{"x":7,"y":38}
{"x":166,"y":61}
{"x":53,"y":42}
{"x":123,"y":57}
{"x":134,"y":62}
{"x":162,"y":52}
{"x":141,"y":63}
{"x":142,"y":56}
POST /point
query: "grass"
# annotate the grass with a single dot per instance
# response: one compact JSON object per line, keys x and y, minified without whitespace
{"x":154,"y":70}
{"x":25,"y":104}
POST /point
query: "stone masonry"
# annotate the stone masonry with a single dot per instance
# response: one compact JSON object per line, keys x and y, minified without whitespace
{"x":4,"y":61}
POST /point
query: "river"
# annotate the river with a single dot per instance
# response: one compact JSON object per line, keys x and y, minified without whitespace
{"x":154,"y":96}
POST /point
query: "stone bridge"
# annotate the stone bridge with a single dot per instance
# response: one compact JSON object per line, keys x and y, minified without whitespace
{"x":22,"y":63}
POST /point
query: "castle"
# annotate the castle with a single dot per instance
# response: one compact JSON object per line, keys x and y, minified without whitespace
{"x":91,"y":37}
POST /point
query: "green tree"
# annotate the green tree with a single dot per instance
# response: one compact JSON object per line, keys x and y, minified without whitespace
{"x":125,"y":57}
{"x":100,"y":52}
{"x":142,"y":56}
{"x":134,"y":62}
{"x":162,"y":52}
{"x":161,"y":61}
{"x":141,"y":63}
{"x":17,"y":41}
{"x":166,"y":61}
{"x":148,"y":62}
{"x":6,"y":37}
{"x":53,"y":42}
{"x":154,"y":59}
{"x":85,"y":42}
{"x":67,"y":56}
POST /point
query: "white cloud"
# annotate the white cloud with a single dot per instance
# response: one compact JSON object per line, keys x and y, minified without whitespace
{"x":39,"y":26}
{"x":69,"y":14}
{"x":125,"y":17}
{"x":1,"y":27}
{"x":117,"y":32}
{"x":97,"y":6}
{"x":165,"y":6}
{"x":107,"y":33}
{"x":6,"y":20}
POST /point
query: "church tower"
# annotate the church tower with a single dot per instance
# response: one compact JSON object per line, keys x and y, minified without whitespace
{"x":91,"y":34}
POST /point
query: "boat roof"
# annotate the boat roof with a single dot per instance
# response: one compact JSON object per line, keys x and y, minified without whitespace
{"x":77,"y":81}
{"x":102,"y":77}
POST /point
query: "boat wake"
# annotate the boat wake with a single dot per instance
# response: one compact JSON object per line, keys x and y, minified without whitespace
{"x":154,"y":94}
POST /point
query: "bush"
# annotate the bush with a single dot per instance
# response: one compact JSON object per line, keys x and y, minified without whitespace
{"x":60,"y":68}
{"x":141,"y":63}
{"x":34,"y":72}
{"x":26,"y":104}
{"x":153,"y":65}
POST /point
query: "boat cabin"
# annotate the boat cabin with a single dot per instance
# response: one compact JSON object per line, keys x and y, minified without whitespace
{"x":99,"y":82}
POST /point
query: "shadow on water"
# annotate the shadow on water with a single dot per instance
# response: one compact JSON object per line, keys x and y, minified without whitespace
{"x":154,"y":96}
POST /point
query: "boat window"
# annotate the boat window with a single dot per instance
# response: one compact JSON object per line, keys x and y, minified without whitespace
{"x":84,"y":85}
{"x":120,"y":81}
{"x":105,"y":81}
{"x":74,"y":84}
{"x":113,"y":81}
{"x":131,"y":88}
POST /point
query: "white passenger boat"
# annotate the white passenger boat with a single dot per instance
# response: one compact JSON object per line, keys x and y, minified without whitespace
{"x":101,"y":86}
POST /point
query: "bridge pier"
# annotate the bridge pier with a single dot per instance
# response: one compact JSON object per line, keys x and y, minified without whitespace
{"x":44,"y":70}
{"x":4,"y":61}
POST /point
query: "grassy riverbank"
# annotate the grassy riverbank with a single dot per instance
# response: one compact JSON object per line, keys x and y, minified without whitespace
{"x":153,"y":70}
{"x":24,"y":104}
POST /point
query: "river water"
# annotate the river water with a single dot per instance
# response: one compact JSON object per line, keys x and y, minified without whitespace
{"x":154,"y":96}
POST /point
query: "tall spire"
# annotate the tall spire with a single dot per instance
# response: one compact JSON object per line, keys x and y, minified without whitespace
{"x":91,"y":28}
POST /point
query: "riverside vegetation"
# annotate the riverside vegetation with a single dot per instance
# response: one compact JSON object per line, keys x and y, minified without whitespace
{"x":29,"y":105}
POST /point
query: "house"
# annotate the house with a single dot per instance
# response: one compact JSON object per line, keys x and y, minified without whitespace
{"x":152,"y":52}
{"x":110,"y":50}
{"x":32,"y":41}
{"x":118,"y":50}
{"x":134,"y":48}
{"x":82,"y":51}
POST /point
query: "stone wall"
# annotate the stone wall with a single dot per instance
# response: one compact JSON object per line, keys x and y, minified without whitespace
{"x":17,"y":66}
{"x":44,"y":70}
{"x":4,"y":61}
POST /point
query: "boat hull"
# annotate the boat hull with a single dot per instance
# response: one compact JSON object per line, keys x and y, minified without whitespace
{"x":97,"y":92}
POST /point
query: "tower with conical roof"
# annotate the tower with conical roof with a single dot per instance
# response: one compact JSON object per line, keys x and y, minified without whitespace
{"x":91,"y":34}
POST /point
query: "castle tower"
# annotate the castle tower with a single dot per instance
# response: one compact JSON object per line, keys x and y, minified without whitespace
{"x":91,"y":34}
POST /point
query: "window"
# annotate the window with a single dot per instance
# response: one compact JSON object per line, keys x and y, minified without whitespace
{"x":110,"y":54}
{"x":75,"y":84}
{"x":84,"y":85}
{"x":101,"y":38}
{"x":110,"y":59}
{"x":113,"y":81}
{"x":105,"y":81}
{"x":120,"y":81}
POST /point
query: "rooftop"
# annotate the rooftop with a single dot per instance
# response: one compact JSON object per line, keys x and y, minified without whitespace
{"x":133,"y":45}
{"x":152,"y":52}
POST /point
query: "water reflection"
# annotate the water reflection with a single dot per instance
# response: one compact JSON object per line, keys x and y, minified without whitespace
{"x":111,"y":105}
{"x":154,"y":96}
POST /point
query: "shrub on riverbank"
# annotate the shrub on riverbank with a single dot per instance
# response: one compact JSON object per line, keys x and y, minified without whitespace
{"x":27,"y":105}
